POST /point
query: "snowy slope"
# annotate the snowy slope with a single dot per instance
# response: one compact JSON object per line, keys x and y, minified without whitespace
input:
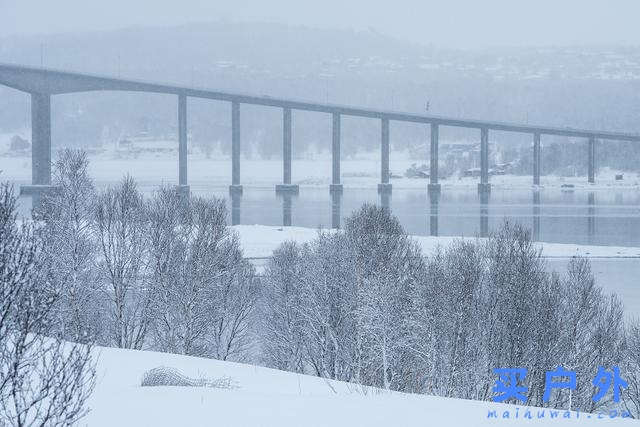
{"x":268,"y":397}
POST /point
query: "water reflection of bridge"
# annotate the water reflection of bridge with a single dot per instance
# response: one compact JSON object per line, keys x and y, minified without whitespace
{"x":287,"y":200}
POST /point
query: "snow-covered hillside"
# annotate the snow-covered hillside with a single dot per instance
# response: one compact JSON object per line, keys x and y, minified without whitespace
{"x":268,"y":397}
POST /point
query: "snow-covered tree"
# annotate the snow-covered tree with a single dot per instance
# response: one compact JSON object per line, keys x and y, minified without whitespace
{"x":121,"y":228}
{"x":43,"y":381}
{"x":592,"y":326}
{"x":450,"y":324}
{"x":282,"y":323}
{"x":328,"y":306}
{"x":71,"y":248}
{"x":342,"y":302}
{"x":203,"y":291}
{"x":631,"y":397}
{"x":388,"y":266}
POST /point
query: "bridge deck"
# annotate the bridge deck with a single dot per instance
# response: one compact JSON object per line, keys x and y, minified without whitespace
{"x":50,"y":81}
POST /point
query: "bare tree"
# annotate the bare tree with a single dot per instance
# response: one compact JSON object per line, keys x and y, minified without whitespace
{"x":43,"y":380}
{"x":631,"y":396}
{"x":363,"y":305}
{"x":341,"y":304}
{"x":71,"y":247}
{"x":235,"y":294}
{"x":387,"y":265}
{"x":121,"y":228}
{"x":203,"y":290}
{"x":592,"y":330}
{"x":282,"y":323}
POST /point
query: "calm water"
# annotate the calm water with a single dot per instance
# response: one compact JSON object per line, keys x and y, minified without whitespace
{"x":599,"y":218}
{"x":608,"y":217}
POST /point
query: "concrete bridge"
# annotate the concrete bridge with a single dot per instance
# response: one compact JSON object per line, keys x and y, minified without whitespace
{"x":42,"y":83}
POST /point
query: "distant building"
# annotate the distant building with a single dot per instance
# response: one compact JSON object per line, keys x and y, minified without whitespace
{"x":19,"y":144}
{"x":144,"y":142}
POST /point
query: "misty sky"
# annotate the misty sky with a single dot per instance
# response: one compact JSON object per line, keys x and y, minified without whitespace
{"x":456,"y":23}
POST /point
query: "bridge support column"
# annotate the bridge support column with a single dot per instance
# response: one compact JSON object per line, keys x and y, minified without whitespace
{"x":592,"y":160}
{"x":536,"y":159}
{"x":434,"y":186}
{"x":235,"y":148}
{"x":40,"y":145}
{"x":384,"y":186}
{"x":182,"y":143}
{"x":286,"y":185}
{"x":336,"y":186}
{"x":484,"y":186}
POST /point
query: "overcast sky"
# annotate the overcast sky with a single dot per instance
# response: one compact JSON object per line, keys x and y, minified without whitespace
{"x":457,"y":23}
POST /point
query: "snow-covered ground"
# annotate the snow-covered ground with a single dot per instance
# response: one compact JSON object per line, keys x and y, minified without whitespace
{"x":268,"y":397}
{"x":364,"y":172}
{"x":260,"y":240}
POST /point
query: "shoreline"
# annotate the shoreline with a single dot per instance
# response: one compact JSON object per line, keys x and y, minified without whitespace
{"x":259,"y":242}
{"x":307,"y":173}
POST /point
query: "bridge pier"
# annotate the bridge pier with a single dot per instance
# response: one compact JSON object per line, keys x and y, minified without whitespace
{"x":484,"y":186}
{"x":40,"y":145}
{"x":286,"y":186}
{"x":336,"y":186}
{"x":592,"y":160}
{"x":235,"y":187}
{"x":536,"y":159}
{"x":384,"y":186}
{"x":182,"y":144}
{"x":385,"y":199}
{"x":434,"y":186}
